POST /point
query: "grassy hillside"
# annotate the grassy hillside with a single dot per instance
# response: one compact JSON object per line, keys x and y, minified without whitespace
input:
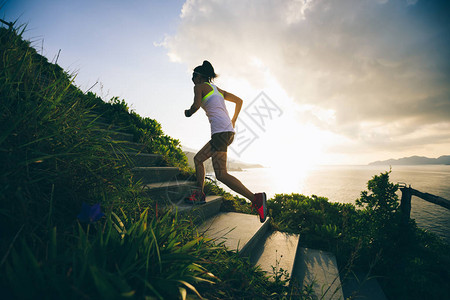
{"x":53,"y":157}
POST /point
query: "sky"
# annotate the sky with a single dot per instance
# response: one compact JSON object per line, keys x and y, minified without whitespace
{"x":323,"y":81}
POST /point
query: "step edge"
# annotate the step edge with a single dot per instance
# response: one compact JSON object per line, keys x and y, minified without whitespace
{"x":295,"y":264}
{"x":253,"y":241}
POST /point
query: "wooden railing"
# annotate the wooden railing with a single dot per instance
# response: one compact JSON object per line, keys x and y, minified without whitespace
{"x":408,"y":192}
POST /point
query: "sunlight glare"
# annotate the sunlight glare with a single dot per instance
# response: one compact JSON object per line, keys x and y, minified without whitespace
{"x":287,"y":141}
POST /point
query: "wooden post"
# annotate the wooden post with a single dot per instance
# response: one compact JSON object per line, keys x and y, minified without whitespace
{"x":405,"y":202}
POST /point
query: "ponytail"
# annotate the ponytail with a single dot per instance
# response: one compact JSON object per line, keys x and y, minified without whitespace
{"x":206,"y":70}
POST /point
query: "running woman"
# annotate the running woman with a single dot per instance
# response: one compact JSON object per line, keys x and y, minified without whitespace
{"x":211,"y":99}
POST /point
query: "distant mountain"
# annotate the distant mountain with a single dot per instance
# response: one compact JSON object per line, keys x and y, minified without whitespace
{"x":414,"y":160}
{"x":232,"y":165}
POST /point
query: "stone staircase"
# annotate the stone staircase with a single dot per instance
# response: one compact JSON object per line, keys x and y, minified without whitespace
{"x":273,"y":251}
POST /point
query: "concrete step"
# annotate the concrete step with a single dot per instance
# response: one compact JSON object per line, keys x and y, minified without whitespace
{"x":201,"y":212}
{"x":358,"y":285}
{"x":319,"y":269}
{"x":145,"y":159}
{"x":154,"y":174}
{"x":276,"y":250}
{"x":239,"y":232}
{"x":169,"y":192}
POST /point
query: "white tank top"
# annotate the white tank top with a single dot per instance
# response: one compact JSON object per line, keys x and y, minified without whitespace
{"x":214,"y":105}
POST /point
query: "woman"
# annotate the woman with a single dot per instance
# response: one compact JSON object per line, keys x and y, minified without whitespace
{"x":211,"y":99}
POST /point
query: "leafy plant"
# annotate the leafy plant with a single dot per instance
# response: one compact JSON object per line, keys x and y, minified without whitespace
{"x":120,"y":258}
{"x":280,"y":275}
{"x":382,"y":203}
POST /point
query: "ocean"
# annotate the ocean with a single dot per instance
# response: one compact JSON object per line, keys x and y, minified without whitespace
{"x":345,"y":183}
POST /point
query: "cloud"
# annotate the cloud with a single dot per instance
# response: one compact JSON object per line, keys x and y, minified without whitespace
{"x":379,"y":68}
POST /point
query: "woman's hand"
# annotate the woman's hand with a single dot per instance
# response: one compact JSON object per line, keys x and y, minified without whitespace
{"x":233,"y":122}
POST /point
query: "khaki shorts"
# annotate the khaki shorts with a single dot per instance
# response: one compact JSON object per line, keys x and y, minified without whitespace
{"x":221,"y":140}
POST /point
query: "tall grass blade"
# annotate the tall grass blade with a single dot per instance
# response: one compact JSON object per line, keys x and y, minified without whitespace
{"x":10,"y":246}
{"x":191,"y":287}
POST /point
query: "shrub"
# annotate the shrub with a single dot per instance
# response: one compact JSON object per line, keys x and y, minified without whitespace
{"x":409,"y":262}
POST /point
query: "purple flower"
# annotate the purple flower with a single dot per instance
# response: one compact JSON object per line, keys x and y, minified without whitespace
{"x":90,"y":214}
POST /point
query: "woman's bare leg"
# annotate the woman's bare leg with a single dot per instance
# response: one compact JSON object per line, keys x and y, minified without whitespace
{"x":199,"y":158}
{"x":219,"y":160}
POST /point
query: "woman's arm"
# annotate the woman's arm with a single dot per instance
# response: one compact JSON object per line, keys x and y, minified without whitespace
{"x":236,"y":100}
{"x":197,"y":101}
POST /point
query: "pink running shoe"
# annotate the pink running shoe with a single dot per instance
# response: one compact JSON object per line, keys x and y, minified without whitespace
{"x":197,"y":197}
{"x":260,"y":203}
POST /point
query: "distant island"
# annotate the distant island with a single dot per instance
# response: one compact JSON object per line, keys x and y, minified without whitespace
{"x":414,"y":160}
{"x":232,"y":165}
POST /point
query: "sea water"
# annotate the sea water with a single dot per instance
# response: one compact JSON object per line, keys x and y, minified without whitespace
{"x":345,"y":183}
